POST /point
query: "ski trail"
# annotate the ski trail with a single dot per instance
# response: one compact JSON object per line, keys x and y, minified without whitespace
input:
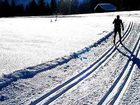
{"x":116,"y":91}
{"x":61,"y":89}
{"x":30,"y":72}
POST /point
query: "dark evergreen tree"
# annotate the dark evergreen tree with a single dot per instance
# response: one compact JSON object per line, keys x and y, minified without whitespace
{"x":48,"y":9}
{"x":13,"y":8}
{"x":5,"y":8}
{"x":42,"y":7}
{"x":33,"y":8}
{"x":131,"y":4}
{"x":92,"y":4}
{"x":19,"y":10}
{"x":84,"y":7}
{"x":74,"y":6}
{"x":53,"y":6}
{"x":61,"y":6}
{"x":1,"y":9}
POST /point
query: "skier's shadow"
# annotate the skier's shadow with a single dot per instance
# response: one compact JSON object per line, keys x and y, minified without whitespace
{"x":131,"y":57}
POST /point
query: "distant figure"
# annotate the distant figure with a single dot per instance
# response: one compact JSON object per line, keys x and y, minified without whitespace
{"x":118,"y":25}
{"x":56,"y":17}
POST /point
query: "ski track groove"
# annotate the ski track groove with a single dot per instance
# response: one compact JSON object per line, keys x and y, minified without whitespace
{"x":125,"y":83}
{"x":75,"y":80}
{"x":121,"y":83}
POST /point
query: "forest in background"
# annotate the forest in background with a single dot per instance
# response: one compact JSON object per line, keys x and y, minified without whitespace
{"x":61,"y":7}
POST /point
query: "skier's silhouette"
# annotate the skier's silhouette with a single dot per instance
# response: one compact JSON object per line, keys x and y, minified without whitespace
{"x":118,"y":25}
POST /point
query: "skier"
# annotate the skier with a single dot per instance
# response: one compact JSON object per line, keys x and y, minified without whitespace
{"x":118,"y":25}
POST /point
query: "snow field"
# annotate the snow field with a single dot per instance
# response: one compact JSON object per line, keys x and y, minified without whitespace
{"x":24,"y":94}
{"x":25,"y":91}
{"x":98,"y":81}
{"x":30,"y":41}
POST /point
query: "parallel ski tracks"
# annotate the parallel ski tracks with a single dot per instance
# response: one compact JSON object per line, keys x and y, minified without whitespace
{"x":61,"y":89}
{"x":116,"y":91}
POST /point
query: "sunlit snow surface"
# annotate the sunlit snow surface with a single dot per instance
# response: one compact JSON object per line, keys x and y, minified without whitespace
{"x":28,"y":41}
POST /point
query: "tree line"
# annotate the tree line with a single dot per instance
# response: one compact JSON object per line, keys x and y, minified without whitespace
{"x":40,"y":7}
{"x":32,"y":9}
{"x":60,"y":7}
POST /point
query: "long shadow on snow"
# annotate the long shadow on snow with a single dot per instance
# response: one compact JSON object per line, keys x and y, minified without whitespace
{"x":108,"y":53}
{"x":132,"y":57}
{"x":123,"y":70}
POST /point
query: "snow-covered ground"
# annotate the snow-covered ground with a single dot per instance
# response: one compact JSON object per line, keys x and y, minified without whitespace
{"x":30,"y":41}
{"x":97,"y":72}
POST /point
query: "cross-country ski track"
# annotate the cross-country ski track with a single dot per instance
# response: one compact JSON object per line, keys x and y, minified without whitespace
{"x":117,"y":89}
{"x":54,"y":94}
{"x":126,"y":73}
{"x":81,"y":78}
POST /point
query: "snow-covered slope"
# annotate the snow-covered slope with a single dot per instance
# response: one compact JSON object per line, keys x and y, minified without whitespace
{"x":90,"y":69}
{"x":30,"y":41}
